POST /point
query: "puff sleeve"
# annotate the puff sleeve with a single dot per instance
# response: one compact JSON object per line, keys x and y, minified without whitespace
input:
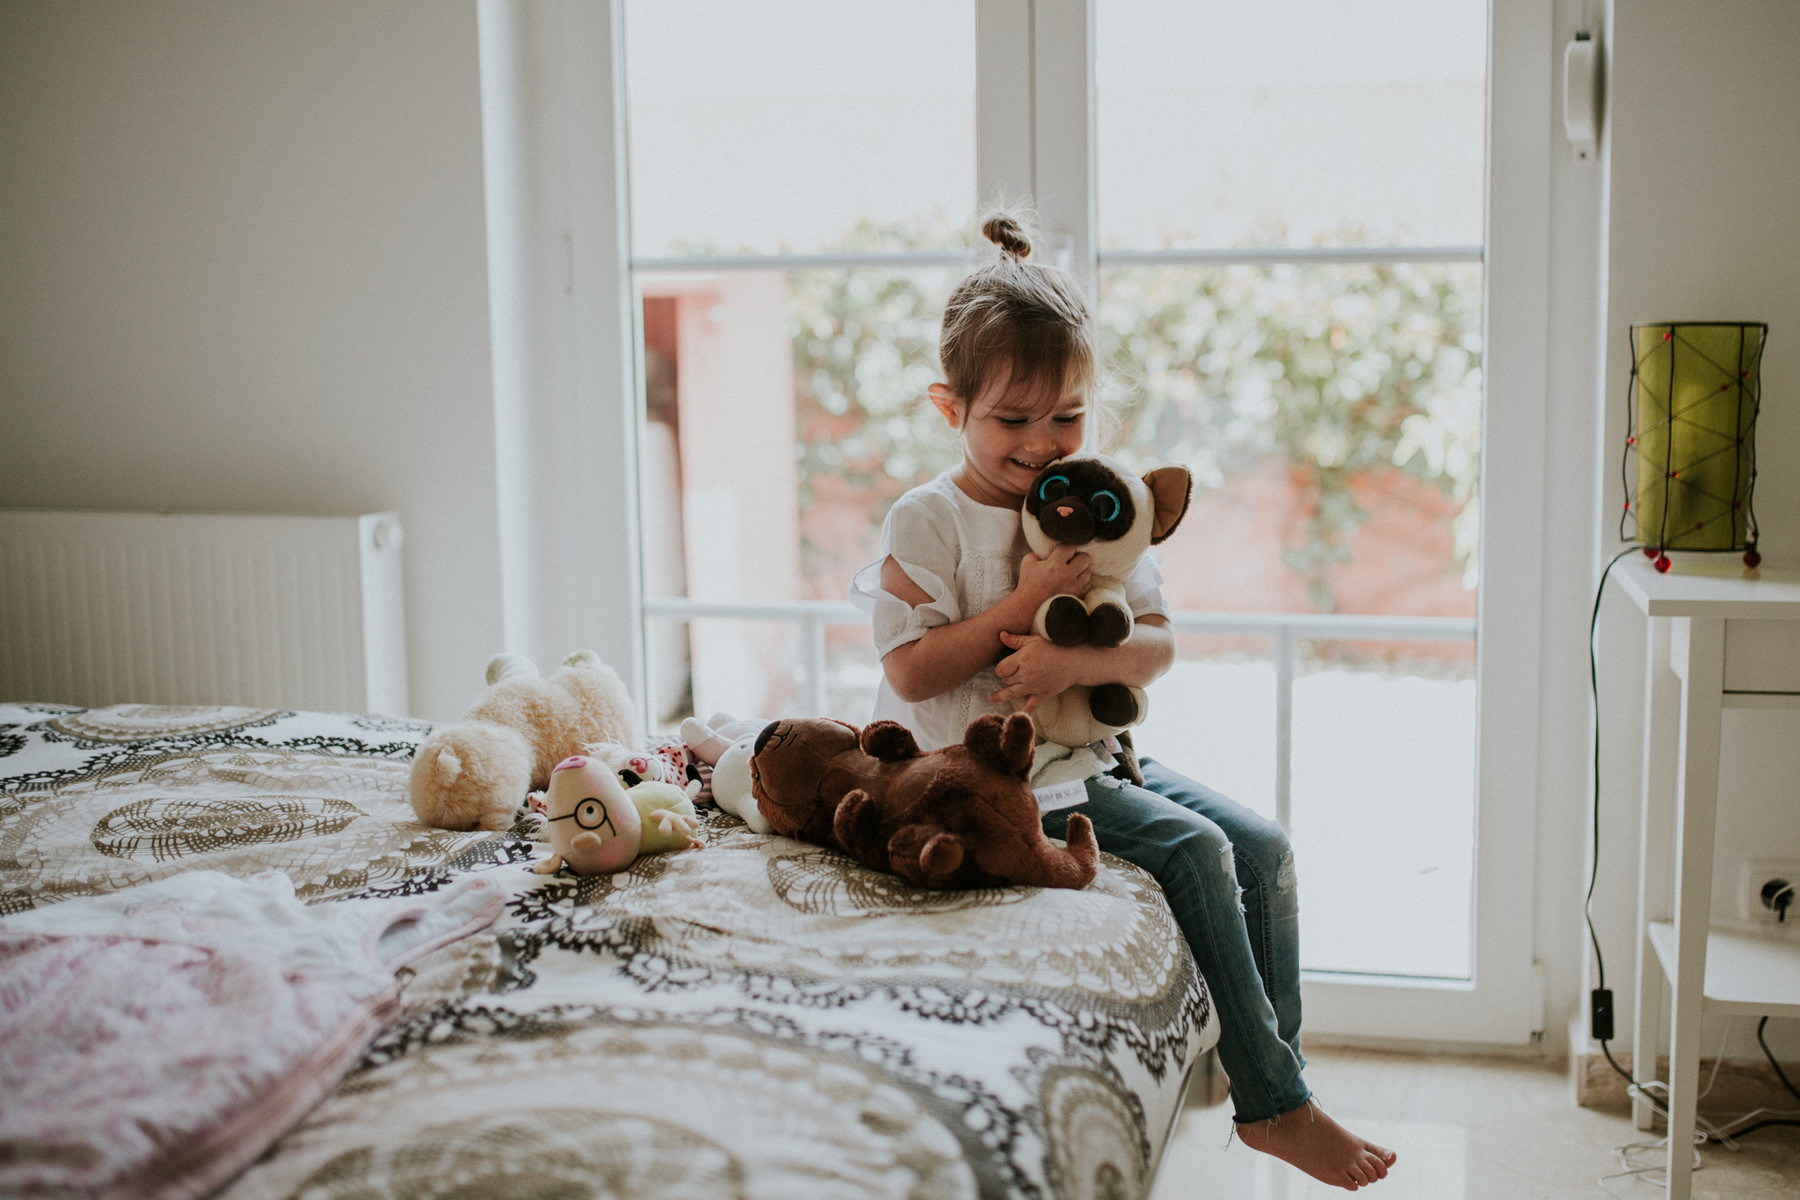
{"x":926,"y":545}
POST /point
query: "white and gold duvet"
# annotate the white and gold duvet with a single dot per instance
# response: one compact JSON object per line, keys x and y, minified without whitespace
{"x":756,"y":1018}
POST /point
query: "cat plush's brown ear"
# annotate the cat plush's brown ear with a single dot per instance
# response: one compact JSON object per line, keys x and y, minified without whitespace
{"x":1170,"y":490}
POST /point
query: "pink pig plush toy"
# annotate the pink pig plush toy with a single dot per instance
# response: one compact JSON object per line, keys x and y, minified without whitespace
{"x":596,"y":827}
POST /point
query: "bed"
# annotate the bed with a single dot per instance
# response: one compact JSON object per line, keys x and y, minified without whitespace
{"x":756,"y":1018}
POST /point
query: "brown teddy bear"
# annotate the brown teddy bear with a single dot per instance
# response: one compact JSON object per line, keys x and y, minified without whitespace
{"x":473,"y":774}
{"x":962,"y":816}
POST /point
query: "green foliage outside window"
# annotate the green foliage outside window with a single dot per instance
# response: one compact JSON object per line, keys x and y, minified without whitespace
{"x":1333,"y":369}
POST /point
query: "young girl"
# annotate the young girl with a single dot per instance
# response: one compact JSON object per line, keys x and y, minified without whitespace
{"x":952,"y":598}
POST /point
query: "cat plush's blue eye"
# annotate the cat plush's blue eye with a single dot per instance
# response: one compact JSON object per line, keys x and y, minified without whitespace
{"x":1104,"y":505}
{"x":1054,"y":488}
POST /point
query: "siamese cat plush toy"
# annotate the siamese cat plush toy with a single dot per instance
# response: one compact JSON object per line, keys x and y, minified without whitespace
{"x":1097,"y":505}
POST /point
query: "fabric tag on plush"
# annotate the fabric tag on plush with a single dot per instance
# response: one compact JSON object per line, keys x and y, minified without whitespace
{"x":1060,"y":795}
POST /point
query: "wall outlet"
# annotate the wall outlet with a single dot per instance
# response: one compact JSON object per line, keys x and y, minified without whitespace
{"x":1761,"y":885}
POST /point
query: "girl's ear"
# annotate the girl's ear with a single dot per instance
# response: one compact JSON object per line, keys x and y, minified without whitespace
{"x":948,"y":403}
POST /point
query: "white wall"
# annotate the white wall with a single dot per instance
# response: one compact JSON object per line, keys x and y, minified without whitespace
{"x":1700,"y":162}
{"x":243,"y":268}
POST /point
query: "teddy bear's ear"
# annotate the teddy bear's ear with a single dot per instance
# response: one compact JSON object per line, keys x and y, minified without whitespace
{"x":1003,"y":744}
{"x":1017,"y":741}
{"x":1170,"y":490}
{"x":503,"y":667}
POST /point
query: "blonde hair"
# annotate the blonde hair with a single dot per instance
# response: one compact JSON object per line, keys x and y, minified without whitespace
{"x":1028,"y":320}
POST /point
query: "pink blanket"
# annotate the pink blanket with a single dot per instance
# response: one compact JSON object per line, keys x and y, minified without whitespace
{"x":155,"y":1041}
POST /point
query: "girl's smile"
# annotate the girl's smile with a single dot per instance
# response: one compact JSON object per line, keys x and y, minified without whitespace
{"x":1008,"y":438}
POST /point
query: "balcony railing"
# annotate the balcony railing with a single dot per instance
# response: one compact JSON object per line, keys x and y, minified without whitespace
{"x":815,"y":616}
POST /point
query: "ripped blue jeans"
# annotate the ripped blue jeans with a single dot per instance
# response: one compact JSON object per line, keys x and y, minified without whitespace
{"x":1204,"y":848}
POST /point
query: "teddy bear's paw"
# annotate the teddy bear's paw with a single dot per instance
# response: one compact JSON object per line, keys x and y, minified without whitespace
{"x":856,"y":825}
{"x":942,"y":855}
{"x":1114,"y":704}
{"x":1066,"y":621}
{"x":1108,"y":625}
{"x":925,"y":854}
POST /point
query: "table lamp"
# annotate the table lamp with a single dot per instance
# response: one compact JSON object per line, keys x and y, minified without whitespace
{"x":1690,"y":449}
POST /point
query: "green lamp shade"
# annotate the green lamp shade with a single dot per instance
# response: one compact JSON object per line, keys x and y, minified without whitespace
{"x":1690,"y":456}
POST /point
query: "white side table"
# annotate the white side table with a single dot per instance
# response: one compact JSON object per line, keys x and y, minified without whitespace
{"x":1733,"y":643}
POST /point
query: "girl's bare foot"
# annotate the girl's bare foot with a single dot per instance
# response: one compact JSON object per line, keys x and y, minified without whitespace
{"x":1308,"y":1139}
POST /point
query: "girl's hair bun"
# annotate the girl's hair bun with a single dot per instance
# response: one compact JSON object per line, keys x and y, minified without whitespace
{"x":1006,"y":232}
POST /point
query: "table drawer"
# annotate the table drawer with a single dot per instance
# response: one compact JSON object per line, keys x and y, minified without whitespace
{"x":1762,"y":656}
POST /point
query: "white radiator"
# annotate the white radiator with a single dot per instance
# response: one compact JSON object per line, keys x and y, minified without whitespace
{"x":267,"y":611}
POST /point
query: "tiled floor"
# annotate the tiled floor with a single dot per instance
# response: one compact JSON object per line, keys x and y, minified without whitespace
{"x":1465,"y":1129}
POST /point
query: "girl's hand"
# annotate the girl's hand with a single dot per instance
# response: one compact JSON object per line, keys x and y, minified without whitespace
{"x":1035,"y":669}
{"x":1064,"y":570}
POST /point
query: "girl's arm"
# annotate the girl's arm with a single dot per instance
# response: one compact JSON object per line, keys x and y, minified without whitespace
{"x":949,"y":655}
{"x":1037,"y":668}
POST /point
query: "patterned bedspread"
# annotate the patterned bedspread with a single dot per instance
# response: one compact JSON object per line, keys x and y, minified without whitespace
{"x":755,"y":1018}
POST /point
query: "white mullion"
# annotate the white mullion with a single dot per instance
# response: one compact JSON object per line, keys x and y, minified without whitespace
{"x":1063,"y":132}
{"x":1003,"y":128}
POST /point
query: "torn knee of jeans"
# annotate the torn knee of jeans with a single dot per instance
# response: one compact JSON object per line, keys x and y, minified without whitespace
{"x":1229,"y":862}
{"x":1284,"y":872}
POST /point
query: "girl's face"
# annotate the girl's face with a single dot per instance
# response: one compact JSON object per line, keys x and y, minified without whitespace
{"x":1010,"y":432}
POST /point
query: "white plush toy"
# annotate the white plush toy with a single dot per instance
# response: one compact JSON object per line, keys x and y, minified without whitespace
{"x":727,"y":744}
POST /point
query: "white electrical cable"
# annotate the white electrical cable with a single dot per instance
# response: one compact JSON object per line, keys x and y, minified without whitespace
{"x":1647,"y":1172}
{"x":1704,"y":1129}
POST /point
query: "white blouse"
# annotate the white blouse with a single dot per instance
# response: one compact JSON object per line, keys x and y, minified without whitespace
{"x":965,"y":557}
